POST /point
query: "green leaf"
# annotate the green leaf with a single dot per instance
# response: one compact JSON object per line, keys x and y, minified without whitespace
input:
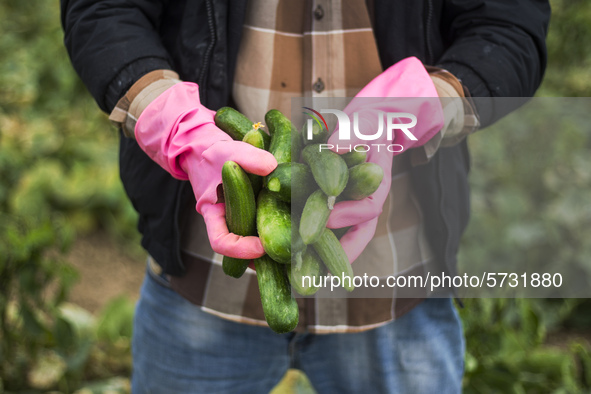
{"x":31,"y":323}
{"x":64,"y":334}
{"x":116,"y":319}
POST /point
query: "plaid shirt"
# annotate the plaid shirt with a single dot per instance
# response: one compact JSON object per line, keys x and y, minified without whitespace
{"x":303,"y":48}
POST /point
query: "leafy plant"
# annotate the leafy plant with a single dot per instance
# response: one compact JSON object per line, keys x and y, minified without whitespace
{"x":506,"y":351}
{"x":58,"y":177}
{"x":32,"y":285}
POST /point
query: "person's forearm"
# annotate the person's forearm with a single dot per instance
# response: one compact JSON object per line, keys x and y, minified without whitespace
{"x":112,"y":44}
{"x":498,"y":49}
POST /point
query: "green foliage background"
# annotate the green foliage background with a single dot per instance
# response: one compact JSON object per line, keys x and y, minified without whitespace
{"x":59,"y":179}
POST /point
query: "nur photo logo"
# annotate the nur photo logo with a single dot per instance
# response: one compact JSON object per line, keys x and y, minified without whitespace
{"x":369,"y":126}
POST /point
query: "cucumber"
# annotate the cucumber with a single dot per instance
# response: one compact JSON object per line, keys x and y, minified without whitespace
{"x":311,"y":267}
{"x":255,"y":138}
{"x":297,"y":144}
{"x":296,"y":258}
{"x":329,"y":170}
{"x":240,"y":212}
{"x":334,"y":258}
{"x":364,"y":180}
{"x":280,"y":309}
{"x":234,"y":267}
{"x":258,"y":136}
{"x":236,"y":125}
{"x":319,"y":134}
{"x":282,"y":135}
{"x":297,"y":244}
{"x":298,"y":247}
{"x":353,"y":158}
{"x":314,"y":217}
{"x":291,"y":181}
{"x":274,"y":226}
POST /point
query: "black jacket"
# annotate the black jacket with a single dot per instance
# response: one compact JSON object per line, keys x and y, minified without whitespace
{"x":495,"y":47}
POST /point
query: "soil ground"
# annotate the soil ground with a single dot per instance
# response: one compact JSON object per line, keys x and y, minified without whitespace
{"x":105,"y":270}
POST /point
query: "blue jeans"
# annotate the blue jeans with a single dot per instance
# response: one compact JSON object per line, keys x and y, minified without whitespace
{"x":177,"y":348}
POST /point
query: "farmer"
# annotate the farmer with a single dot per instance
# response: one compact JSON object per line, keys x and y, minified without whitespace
{"x":161,"y":68}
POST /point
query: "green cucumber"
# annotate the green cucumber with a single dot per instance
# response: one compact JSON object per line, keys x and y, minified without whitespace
{"x":364,"y":180}
{"x":319,"y":134}
{"x":353,"y":158}
{"x":311,"y":267}
{"x":234,"y":267}
{"x":258,"y":136}
{"x":297,"y":144}
{"x":298,"y":247}
{"x":297,"y":244}
{"x":291,"y":181}
{"x":283,"y":135}
{"x":314,"y":217}
{"x":255,"y":138}
{"x":335,"y":259}
{"x":296,"y":258}
{"x":266,"y":139}
{"x":240,"y":212}
{"x":279,"y":307}
{"x":329,"y":170}
{"x":236,"y":125}
{"x":274,"y":226}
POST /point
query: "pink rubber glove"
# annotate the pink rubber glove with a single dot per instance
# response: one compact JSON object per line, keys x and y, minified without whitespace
{"x":405,"y":79}
{"x":179,"y":134}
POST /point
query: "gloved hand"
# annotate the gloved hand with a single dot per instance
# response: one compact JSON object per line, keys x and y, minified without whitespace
{"x":179,"y":134}
{"x":408,"y":81}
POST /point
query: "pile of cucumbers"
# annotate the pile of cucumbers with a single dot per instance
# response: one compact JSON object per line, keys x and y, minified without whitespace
{"x":289,"y":208}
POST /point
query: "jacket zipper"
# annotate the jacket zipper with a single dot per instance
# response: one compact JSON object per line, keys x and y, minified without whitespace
{"x":208,"y":52}
{"x":445,"y":230}
{"x":176,"y":236}
{"x":430,"y":60}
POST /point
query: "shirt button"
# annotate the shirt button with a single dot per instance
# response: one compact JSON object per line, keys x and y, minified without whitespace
{"x":318,"y":86}
{"x":319,"y":12}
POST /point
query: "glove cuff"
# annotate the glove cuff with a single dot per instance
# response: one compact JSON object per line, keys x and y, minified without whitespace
{"x":129,"y":108}
{"x":449,"y":89}
{"x":449,"y":86}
